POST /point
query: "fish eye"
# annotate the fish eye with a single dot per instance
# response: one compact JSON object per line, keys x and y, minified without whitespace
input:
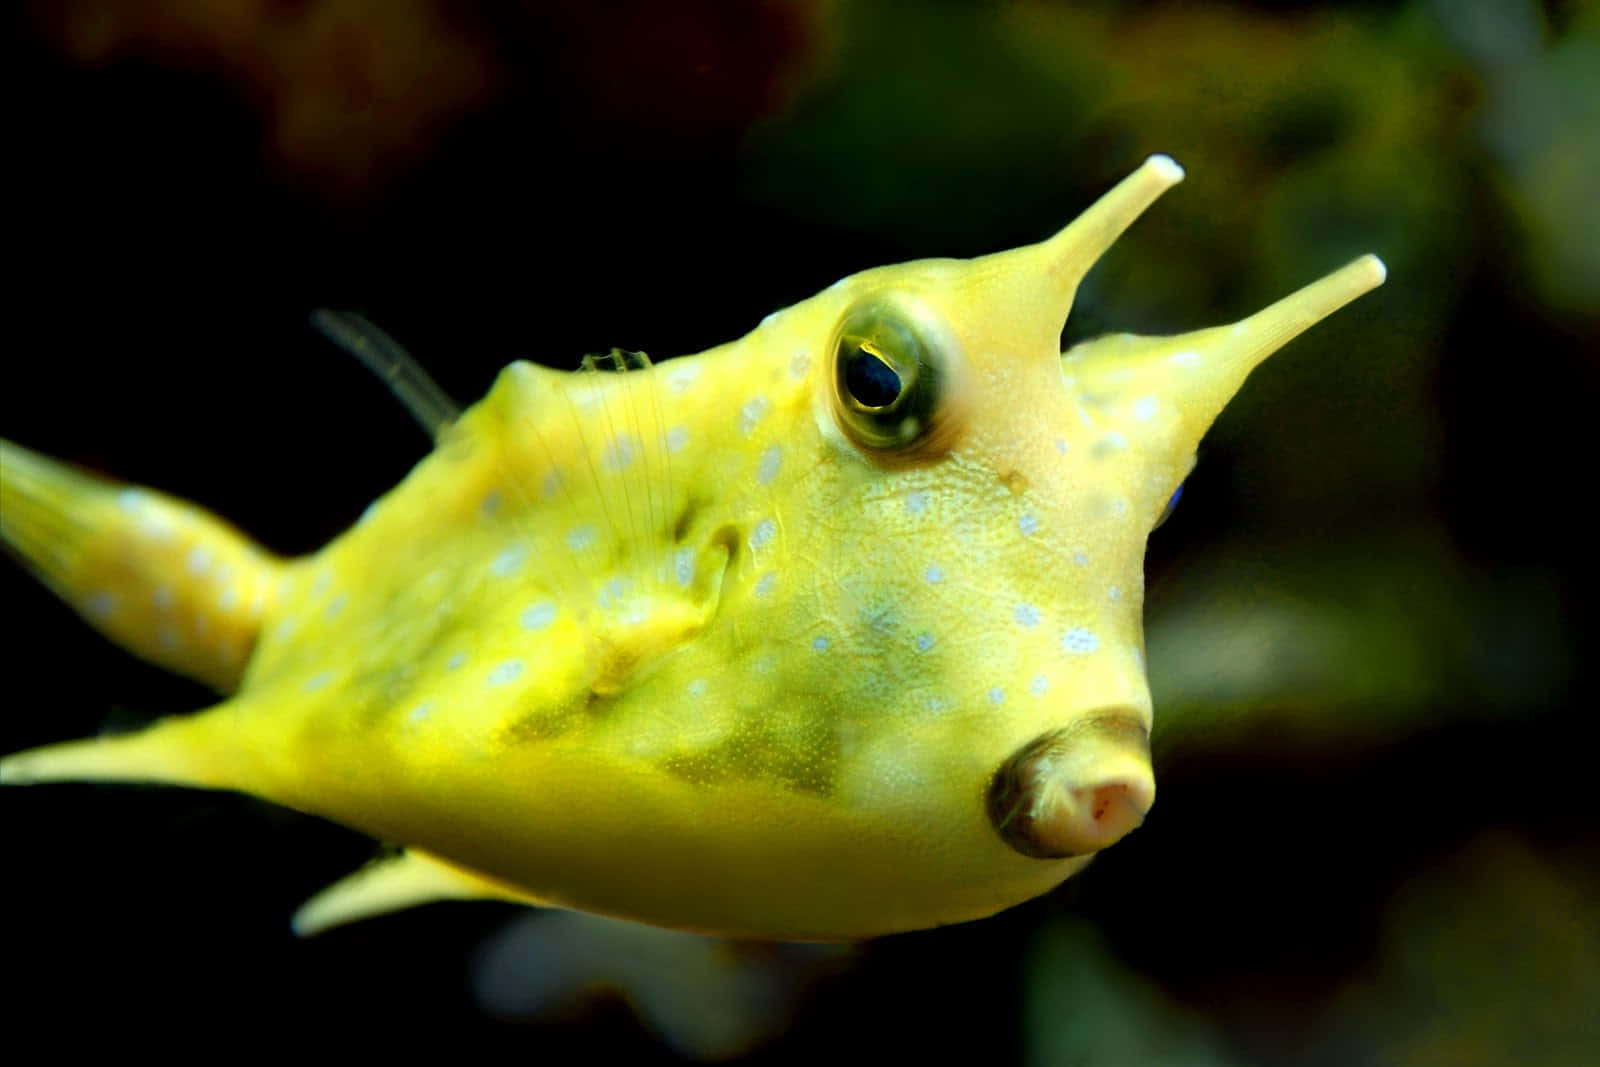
{"x":1172,"y":504}
{"x":889,"y":377}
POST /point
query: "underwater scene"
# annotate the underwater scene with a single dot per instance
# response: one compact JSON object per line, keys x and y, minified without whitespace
{"x":1368,"y":609}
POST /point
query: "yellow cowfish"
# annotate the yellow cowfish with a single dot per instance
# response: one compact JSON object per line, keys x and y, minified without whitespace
{"x":828,"y":632}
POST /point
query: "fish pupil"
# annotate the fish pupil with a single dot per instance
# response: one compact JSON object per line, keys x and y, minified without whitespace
{"x":870,"y":380}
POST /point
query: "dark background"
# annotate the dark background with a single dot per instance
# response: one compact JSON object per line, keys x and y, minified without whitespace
{"x":1370,"y":620}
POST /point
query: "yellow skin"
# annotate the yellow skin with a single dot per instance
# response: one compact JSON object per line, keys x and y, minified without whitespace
{"x":689,"y":644}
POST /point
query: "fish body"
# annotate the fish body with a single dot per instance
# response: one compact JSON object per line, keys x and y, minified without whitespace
{"x":828,"y":632}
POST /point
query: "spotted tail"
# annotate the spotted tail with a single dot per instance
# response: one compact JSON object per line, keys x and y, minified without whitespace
{"x":164,"y":579}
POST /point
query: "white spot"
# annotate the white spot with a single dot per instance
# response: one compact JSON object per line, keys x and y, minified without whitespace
{"x":1080,"y":641}
{"x":677,"y":437}
{"x":924,"y":641}
{"x":551,"y":484}
{"x":765,"y":583}
{"x":771,"y":459}
{"x":1115,"y":592}
{"x":538,"y":616}
{"x":318,"y":681}
{"x":934,"y":574}
{"x":820,"y":644}
{"x":455,"y":661}
{"x":800,"y":364}
{"x":683,"y":566}
{"x":130,"y":500}
{"x":420,"y":712}
{"x":100,"y":605}
{"x":754,"y":410}
{"x":580,"y":537}
{"x":1187,"y":358}
{"x":684,"y":376}
{"x":917,"y":501}
{"x":509,"y":561}
{"x":1111,"y":442}
{"x":163,"y":597}
{"x":1027,"y":614}
{"x":763,"y":534}
{"x":507,"y":672}
{"x":1061,"y":445}
{"x":324,"y":579}
{"x":229,"y":598}
{"x":997,"y":695}
{"x":1083,"y":417}
{"x":198,"y":560}
{"x":1028,"y":524}
{"x":286,"y":627}
{"x":1138,"y":657}
{"x":938,"y":705}
{"x":335,"y":607}
{"x":618,"y":454}
{"x":614,"y":590}
{"x":696,"y":687}
{"x":1144,"y":409}
{"x":1039,"y":686}
{"x":1081,"y":558}
{"x":490,"y":503}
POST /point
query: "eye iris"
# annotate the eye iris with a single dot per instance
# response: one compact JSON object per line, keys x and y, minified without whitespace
{"x":871,"y":381}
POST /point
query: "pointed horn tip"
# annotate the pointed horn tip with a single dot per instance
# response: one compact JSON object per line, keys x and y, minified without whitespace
{"x":1164,"y":167}
{"x":1374,"y":268}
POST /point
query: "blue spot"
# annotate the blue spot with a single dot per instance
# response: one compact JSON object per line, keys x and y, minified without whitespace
{"x":765,"y":584}
{"x":677,"y":437}
{"x":997,"y":695}
{"x":509,"y":671}
{"x":580,"y":537}
{"x":1028,"y":524}
{"x":1039,"y":686}
{"x":318,"y":681}
{"x":771,"y":460}
{"x":924,"y":642}
{"x":820,"y":644}
{"x":697,"y":688}
{"x":1027,"y":615}
{"x":455,"y":661}
{"x":508,"y":562}
{"x":917,"y":501}
{"x":763,"y":534}
{"x":934,"y":574}
{"x":1079,"y":640}
{"x":538,"y":616}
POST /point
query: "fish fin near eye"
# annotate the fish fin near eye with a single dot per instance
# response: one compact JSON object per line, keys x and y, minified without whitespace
{"x":430,"y":405}
{"x":166,"y":580}
{"x":394,"y":883}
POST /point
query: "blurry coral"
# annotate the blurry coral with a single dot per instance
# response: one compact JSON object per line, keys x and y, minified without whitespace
{"x":708,"y":998}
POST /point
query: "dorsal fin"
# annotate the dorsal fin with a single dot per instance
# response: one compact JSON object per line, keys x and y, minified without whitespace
{"x":389,"y":360}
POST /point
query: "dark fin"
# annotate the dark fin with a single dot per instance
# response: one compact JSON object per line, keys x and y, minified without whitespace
{"x":385,"y":357}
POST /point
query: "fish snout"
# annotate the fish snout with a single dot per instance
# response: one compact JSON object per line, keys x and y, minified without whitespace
{"x":1075,"y":790}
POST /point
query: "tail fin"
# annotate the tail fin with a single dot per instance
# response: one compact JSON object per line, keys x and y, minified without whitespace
{"x":164,"y":579}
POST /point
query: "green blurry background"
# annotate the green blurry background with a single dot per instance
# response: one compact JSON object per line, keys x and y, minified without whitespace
{"x":1370,"y":621}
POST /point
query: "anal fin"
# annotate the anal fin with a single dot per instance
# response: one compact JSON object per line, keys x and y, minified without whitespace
{"x":414,"y":877}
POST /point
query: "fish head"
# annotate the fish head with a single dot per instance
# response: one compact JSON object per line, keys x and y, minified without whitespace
{"x":977,"y":541}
